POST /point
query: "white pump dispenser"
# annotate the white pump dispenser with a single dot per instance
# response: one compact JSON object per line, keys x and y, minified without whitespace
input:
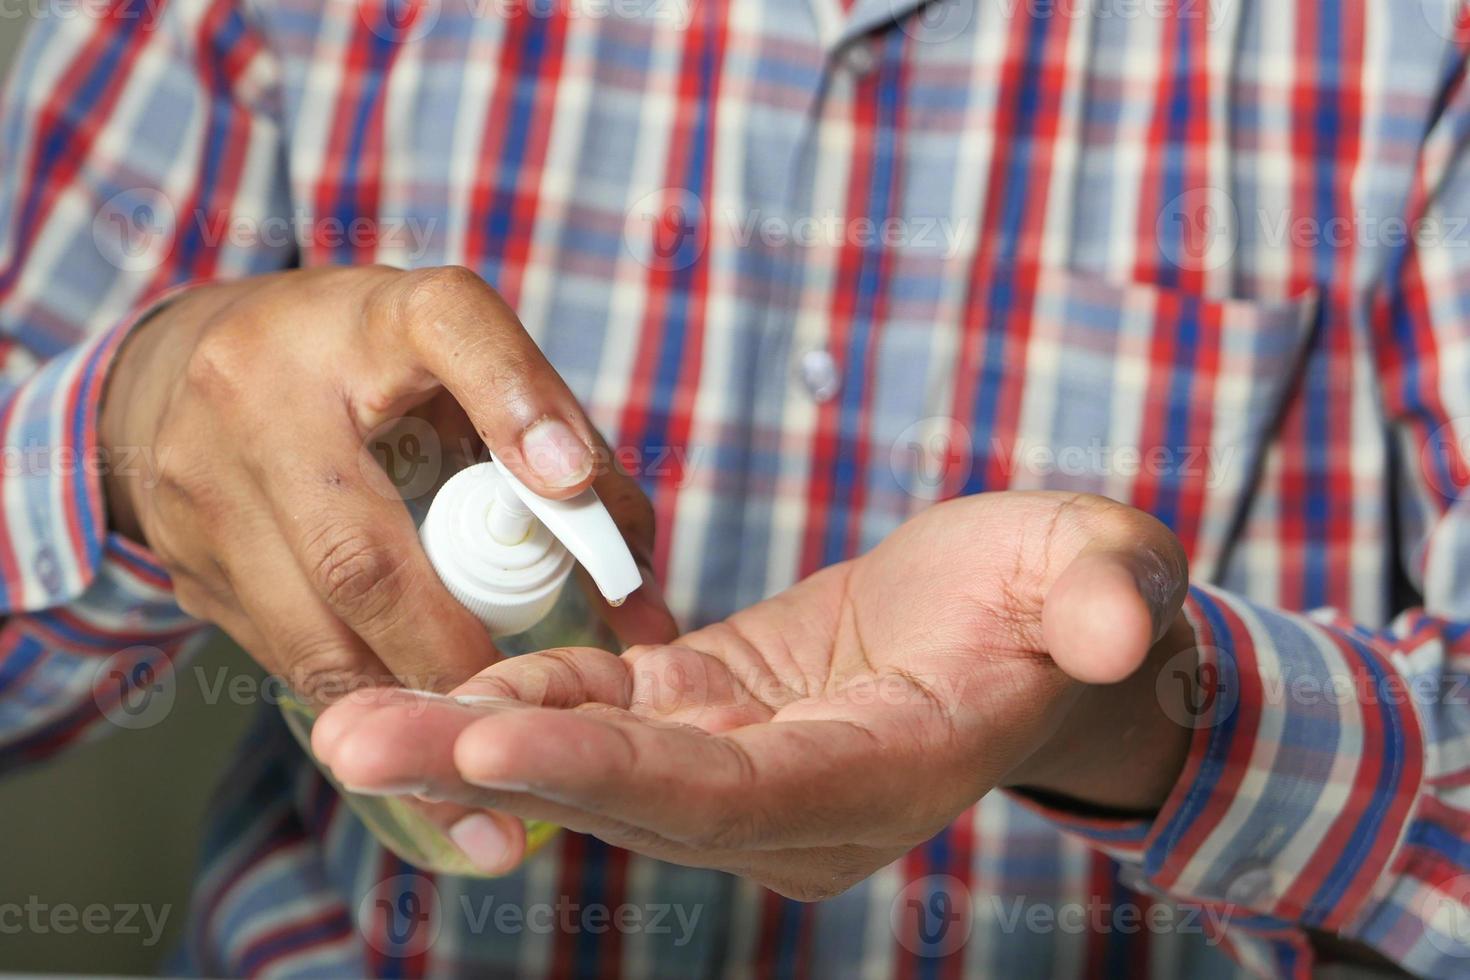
{"x":505,"y":552}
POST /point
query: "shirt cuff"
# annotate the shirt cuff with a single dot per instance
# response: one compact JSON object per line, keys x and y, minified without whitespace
{"x":1303,"y":774}
{"x":55,"y":537}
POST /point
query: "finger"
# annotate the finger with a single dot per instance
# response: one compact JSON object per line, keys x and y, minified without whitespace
{"x":357,"y":548}
{"x":644,"y":617}
{"x":379,"y":716}
{"x":1113,"y":601}
{"x":459,"y":333}
{"x":397,"y":743}
{"x":562,"y":678}
{"x":393,"y":744}
{"x":294,"y":632}
{"x":767,"y":786}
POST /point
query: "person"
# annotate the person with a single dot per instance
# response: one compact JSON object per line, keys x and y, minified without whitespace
{"x":1053,"y":417}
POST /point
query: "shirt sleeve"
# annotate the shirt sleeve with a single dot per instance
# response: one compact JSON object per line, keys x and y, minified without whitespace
{"x":1328,"y":782}
{"x":139,"y":151}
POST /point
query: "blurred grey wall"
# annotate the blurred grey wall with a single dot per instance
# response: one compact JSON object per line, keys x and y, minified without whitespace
{"x":98,"y":845}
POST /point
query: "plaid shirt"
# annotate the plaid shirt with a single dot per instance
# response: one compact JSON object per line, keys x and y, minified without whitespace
{"x":815,"y":266}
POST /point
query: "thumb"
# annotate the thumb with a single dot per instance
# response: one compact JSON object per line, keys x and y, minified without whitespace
{"x":1111,"y":604}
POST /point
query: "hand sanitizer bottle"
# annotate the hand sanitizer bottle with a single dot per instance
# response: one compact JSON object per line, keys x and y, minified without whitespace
{"x":505,"y":553}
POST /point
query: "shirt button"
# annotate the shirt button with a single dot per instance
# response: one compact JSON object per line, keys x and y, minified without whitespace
{"x":859,"y":59}
{"x":818,"y":372}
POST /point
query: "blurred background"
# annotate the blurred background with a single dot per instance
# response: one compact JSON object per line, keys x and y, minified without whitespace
{"x":115,"y":822}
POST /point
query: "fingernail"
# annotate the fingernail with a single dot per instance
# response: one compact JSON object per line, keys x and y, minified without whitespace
{"x":482,"y":841}
{"x":555,"y":454}
{"x":387,"y":789}
{"x":500,"y":785}
{"x":486,"y":701}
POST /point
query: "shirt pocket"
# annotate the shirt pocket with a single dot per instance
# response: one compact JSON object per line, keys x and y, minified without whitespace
{"x":1158,"y":398}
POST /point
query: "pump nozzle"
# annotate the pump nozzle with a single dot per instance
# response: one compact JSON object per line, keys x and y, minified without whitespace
{"x":585,"y":527}
{"x":509,"y":519}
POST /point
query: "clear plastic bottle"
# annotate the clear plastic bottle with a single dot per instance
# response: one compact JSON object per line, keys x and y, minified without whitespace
{"x":506,"y":555}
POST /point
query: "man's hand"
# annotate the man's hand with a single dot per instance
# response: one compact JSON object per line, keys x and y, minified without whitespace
{"x":269,"y":512}
{"x":811,"y":739}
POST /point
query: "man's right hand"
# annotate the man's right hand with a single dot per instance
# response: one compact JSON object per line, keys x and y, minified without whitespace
{"x":255,"y":399}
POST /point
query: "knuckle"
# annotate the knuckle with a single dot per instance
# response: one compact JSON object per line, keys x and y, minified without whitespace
{"x":428,"y":293}
{"x":215,"y":366}
{"x":356,"y":575}
{"x":320,"y":671}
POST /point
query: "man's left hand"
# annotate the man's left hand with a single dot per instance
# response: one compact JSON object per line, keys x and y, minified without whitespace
{"x":811,"y":739}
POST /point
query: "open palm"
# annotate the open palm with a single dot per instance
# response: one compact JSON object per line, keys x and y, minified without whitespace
{"x":810,"y":739}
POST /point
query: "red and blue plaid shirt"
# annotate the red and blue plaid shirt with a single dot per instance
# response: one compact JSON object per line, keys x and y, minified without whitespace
{"x":816,"y":265}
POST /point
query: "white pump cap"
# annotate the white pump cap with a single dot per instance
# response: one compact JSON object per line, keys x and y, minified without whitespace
{"x":504,"y":552}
